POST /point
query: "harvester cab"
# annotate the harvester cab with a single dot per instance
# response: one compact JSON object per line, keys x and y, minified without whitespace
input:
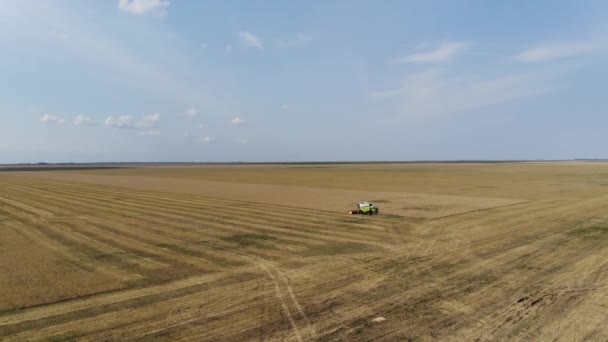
{"x":365,"y":208}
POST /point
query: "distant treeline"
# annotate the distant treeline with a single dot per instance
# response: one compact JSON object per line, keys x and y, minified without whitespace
{"x":53,"y":167}
{"x":123,"y":165}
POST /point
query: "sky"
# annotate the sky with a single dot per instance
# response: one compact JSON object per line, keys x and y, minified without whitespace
{"x":228,"y":81}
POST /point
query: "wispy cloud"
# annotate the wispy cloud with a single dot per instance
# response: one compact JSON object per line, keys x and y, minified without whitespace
{"x":127,"y":121}
{"x":207,"y":139}
{"x":251,"y":40}
{"x":82,"y":120}
{"x":241,"y":141}
{"x":139,"y":7}
{"x":443,"y":53}
{"x":49,"y":119}
{"x":554,"y":51}
{"x":201,"y":126}
{"x":123,"y":121}
{"x":148,"y":120}
{"x":237,"y":121}
{"x":284,"y":107}
{"x":430,"y":93}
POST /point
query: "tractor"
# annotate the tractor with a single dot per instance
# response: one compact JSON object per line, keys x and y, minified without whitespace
{"x":365,"y":208}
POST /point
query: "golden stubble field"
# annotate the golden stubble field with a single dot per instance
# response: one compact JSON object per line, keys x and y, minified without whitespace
{"x":515,"y":251}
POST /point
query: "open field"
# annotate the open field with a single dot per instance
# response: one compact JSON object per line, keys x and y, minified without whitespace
{"x":462,"y":252}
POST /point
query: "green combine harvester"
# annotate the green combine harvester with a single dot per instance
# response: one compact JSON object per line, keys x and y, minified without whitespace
{"x":365,"y":208}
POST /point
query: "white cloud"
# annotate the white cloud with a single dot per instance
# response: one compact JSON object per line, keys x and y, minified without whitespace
{"x":149,"y":120}
{"x":81,"y":120}
{"x":127,"y":121}
{"x":124,"y":121}
{"x":191,"y":112}
{"x":251,"y":39}
{"x":549,"y":52}
{"x":300,"y":39}
{"x":139,"y":7}
{"x":49,"y":119}
{"x":207,"y":139}
{"x":147,"y":133}
{"x":429,"y":93}
{"x":237,"y":121}
{"x":443,"y":53}
{"x":241,"y":141}
{"x":201,"y":126}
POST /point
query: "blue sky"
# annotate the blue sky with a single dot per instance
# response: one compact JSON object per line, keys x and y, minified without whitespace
{"x":177,"y":80}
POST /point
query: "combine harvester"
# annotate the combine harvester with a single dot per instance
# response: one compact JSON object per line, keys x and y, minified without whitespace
{"x":365,"y":208}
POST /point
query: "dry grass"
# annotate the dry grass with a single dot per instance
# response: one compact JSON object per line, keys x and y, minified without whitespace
{"x":98,"y":260}
{"x":415,"y":205}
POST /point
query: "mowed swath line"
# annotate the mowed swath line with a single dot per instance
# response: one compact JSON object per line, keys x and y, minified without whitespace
{"x":54,"y":224}
{"x":131,"y":245}
{"x":120,"y":260}
{"x":225,"y":215}
{"x":221,"y":315}
{"x":74,"y":246}
{"x":37,"y":196}
{"x":123,"y":308}
{"x":185,"y":200}
{"x":160,"y":243}
{"x":200,"y":203}
{"x":147,"y":211}
{"x":486,"y":277}
{"x":26,"y":208}
{"x":81,"y":233}
{"x":69,"y":254}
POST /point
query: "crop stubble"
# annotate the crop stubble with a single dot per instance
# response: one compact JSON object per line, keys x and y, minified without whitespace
{"x":103,"y":261}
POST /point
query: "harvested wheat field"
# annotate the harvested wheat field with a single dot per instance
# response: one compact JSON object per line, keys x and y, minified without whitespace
{"x":503,"y":251}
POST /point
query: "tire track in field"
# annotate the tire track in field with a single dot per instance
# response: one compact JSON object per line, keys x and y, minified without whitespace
{"x":476,"y":264}
{"x":384,"y":303}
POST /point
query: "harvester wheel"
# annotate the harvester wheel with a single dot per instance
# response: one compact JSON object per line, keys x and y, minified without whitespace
{"x":371,"y":212}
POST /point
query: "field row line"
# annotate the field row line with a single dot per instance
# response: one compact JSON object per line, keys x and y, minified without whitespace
{"x":226,"y":216}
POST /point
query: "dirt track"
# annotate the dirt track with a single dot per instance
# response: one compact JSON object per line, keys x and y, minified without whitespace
{"x":255,"y":271}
